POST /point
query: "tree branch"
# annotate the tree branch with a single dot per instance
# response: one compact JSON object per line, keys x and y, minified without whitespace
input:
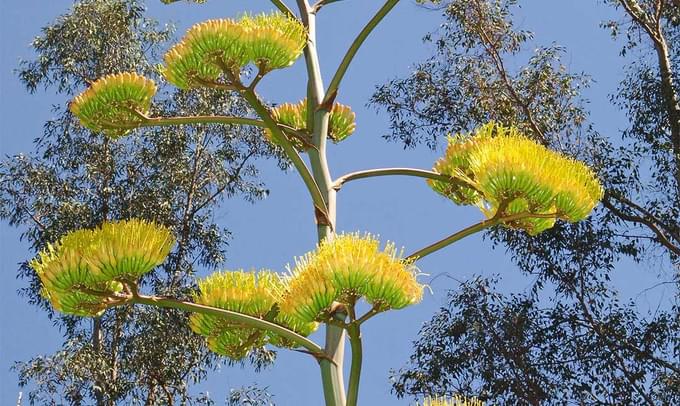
{"x":661,"y":237}
{"x":219,"y":191}
{"x":668,"y":89}
{"x":492,"y":50}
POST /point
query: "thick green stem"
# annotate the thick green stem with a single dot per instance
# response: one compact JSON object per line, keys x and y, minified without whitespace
{"x":354,"y":48}
{"x":236,"y":317}
{"x":475,"y":228}
{"x":317,"y":120}
{"x":331,"y":367}
{"x":354,"y":332}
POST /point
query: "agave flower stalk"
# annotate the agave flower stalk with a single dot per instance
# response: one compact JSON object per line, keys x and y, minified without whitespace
{"x":513,"y":181}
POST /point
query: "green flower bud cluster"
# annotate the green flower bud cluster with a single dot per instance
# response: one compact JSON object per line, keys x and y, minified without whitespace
{"x":342,"y":121}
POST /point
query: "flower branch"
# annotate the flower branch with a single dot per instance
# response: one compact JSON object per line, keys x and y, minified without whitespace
{"x":421,"y":173}
{"x":475,"y":228}
{"x":353,"y":49}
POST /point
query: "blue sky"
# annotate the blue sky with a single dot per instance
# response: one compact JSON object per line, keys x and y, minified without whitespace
{"x":270,"y":233}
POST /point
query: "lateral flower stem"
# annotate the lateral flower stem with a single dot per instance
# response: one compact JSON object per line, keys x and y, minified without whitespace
{"x":421,"y":173}
{"x":353,"y":49}
{"x":208,"y":119}
{"x":475,"y":228}
{"x":284,"y":8}
{"x":170,"y":303}
{"x":319,"y":202}
{"x":369,"y":314}
{"x":261,"y":71}
{"x":169,"y":121}
{"x":319,"y":4}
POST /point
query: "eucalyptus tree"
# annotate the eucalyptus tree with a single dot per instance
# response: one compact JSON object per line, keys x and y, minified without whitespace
{"x":103,"y":267}
{"x":570,"y":339}
{"x":77,"y":178}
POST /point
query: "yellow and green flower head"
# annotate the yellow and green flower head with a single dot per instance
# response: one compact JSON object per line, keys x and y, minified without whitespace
{"x":256,"y":294}
{"x":197,"y":57}
{"x":456,"y":400}
{"x":126,"y":250}
{"x":500,"y":168}
{"x":62,"y":274}
{"x":342,"y":121}
{"x":111,"y":104}
{"x":84,"y":266}
{"x":344,"y":270}
{"x":273,"y":41}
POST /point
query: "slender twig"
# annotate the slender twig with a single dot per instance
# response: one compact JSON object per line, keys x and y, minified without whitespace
{"x":597,"y":327}
{"x":221,"y":189}
{"x":660,"y":235}
{"x":491,"y":49}
{"x":332,"y":89}
{"x":475,"y":228}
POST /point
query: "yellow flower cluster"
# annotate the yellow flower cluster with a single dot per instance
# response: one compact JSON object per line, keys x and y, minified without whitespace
{"x":110,"y":104}
{"x":499,"y":168}
{"x":271,"y":41}
{"x":456,"y":400}
{"x":341,"y":122}
{"x":344,"y":270}
{"x":251,"y":293}
{"x":84,"y":266}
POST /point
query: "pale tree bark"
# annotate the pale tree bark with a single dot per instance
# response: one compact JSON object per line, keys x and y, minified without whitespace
{"x":650,"y":23}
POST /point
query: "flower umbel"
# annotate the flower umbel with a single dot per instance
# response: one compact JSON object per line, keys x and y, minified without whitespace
{"x":256,"y":294}
{"x":501,"y":169}
{"x":456,"y":400}
{"x":112,"y":104}
{"x":273,"y":41}
{"x":197,"y":57}
{"x":344,"y":270}
{"x":208,"y":49}
{"x":86,"y":268}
